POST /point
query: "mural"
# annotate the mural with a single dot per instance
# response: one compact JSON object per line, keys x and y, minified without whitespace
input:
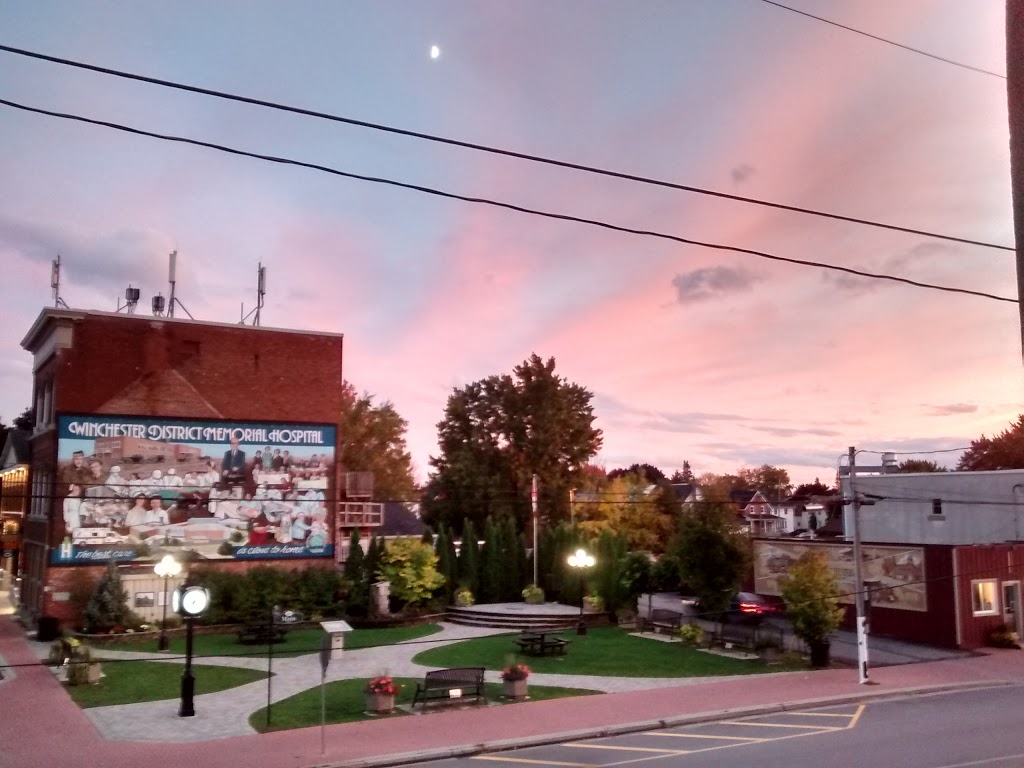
{"x":894,"y":575}
{"x":137,"y":488}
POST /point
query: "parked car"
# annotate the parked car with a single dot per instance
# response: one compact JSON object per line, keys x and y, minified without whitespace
{"x":748,"y":608}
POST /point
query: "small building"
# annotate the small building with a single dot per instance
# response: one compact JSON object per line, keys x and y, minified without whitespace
{"x":942,"y":555}
{"x":158,"y":435}
{"x":15,"y":457}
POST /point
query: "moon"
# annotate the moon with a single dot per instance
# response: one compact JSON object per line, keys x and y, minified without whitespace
{"x":435,"y":52}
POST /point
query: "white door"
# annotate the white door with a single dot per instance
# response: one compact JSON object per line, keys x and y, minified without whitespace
{"x":1011,"y":607}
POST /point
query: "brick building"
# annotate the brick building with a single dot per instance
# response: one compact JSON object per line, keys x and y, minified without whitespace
{"x":159,"y":435}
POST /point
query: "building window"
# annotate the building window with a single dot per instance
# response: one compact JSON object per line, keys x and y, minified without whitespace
{"x":936,"y":506}
{"x":983,"y":597}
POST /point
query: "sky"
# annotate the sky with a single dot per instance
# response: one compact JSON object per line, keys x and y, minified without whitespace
{"x":719,"y":358}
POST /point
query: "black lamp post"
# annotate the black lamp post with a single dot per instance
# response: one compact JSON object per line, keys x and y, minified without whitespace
{"x":165,"y":569}
{"x":581,"y":560}
{"x":189,"y":603}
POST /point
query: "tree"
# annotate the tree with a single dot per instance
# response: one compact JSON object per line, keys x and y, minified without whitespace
{"x":713,"y":556}
{"x":625,"y":508}
{"x":771,"y":481}
{"x":812,"y":598}
{"x":684,"y":475}
{"x":411,"y":567}
{"x":1004,"y":451}
{"x":920,"y":465}
{"x":108,"y":607}
{"x":648,"y":472}
{"x":357,"y":578}
{"x":497,"y":433}
{"x":25,"y":422}
{"x":373,"y":440}
{"x":469,"y":558}
{"x":817,"y":488}
{"x":716,"y":488}
{"x":447,"y":562}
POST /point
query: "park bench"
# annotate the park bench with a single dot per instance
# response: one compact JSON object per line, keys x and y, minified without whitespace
{"x":747,"y":636}
{"x":662,"y":618}
{"x":261,"y":634}
{"x":540,"y":643}
{"x":455,"y":683}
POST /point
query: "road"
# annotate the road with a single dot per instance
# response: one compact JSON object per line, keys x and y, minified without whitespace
{"x":981,"y":727}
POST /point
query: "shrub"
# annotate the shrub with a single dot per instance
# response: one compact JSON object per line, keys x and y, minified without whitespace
{"x":691,"y":634}
{"x":812,"y":598}
{"x":533,"y":595}
{"x":411,"y":568}
{"x":108,"y":606}
{"x":464,"y":597}
{"x":1002,"y":637}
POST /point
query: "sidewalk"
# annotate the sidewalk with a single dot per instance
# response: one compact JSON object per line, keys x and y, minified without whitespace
{"x":43,"y":727}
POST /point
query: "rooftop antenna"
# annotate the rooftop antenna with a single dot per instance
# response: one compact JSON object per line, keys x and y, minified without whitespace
{"x":172,"y":269}
{"x":131,"y":298}
{"x":170,"y":279}
{"x":158,"y":305}
{"x":55,"y":284}
{"x":261,"y":289}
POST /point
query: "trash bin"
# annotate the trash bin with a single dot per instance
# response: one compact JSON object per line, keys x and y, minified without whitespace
{"x":49,"y":629}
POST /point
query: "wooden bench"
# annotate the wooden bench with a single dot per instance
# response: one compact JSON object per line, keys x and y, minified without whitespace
{"x":443,"y":683}
{"x":745,"y":635}
{"x":541,"y":643}
{"x":662,"y":618}
{"x":261,"y":634}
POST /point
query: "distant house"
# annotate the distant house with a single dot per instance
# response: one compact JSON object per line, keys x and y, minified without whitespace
{"x":687,"y":493}
{"x":757,"y":516}
{"x":796,"y":513}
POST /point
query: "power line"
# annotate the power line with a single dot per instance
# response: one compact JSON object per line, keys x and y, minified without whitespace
{"x":493,"y":150}
{"x":884,"y":40}
{"x":509,"y":206}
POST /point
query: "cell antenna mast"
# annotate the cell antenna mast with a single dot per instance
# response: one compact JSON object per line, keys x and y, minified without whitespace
{"x":261,"y":289}
{"x":170,"y":279}
{"x":55,"y":283}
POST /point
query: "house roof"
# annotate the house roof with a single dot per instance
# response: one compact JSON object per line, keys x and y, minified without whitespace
{"x":742,"y":496}
{"x":684,"y":490}
{"x":399,"y":520}
{"x":16,"y":450}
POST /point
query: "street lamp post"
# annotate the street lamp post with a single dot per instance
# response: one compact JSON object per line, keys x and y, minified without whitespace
{"x":165,"y":569}
{"x":581,"y":560}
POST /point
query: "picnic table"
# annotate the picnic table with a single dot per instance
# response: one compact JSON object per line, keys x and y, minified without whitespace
{"x":541,"y":642}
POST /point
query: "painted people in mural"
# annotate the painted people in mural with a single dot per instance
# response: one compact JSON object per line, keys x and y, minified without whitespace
{"x":155,"y":495}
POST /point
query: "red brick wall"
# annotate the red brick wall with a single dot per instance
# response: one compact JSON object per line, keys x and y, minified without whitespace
{"x":147,"y":366}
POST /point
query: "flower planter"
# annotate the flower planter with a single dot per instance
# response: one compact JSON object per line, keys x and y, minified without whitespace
{"x":514,"y":689}
{"x":380,"y":703}
{"x":94,"y":673}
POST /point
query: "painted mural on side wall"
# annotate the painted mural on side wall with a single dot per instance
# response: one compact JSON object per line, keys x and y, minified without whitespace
{"x":894,"y":575}
{"x":137,"y":488}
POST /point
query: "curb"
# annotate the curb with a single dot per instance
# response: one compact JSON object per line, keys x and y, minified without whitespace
{"x":619,"y":729}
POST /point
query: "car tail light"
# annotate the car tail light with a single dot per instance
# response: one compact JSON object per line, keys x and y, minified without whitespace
{"x":750,"y":608}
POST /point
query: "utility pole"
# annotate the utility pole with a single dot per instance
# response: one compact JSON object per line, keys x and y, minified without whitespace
{"x":858,"y":578}
{"x":1015,"y":110}
{"x":533,"y":500}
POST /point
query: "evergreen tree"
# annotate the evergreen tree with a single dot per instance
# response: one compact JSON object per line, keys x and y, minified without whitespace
{"x":447,"y":564}
{"x":108,"y":606}
{"x":357,"y":577}
{"x":469,"y":558}
{"x":514,"y":578}
{"x":372,"y":563}
{"x":490,"y":565}
{"x":428,"y":535}
{"x":610,"y":554}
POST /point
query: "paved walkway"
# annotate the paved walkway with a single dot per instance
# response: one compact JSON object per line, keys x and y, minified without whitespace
{"x":43,"y":727}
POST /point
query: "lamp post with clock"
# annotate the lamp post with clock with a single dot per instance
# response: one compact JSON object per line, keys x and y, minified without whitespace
{"x":189,"y":602}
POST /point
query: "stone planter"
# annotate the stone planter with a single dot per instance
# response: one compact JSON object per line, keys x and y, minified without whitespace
{"x":380,"y":703}
{"x":513,"y":689}
{"x":94,"y":673}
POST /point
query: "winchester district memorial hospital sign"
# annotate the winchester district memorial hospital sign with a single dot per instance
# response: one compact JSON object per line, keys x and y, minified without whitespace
{"x":136,"y":488}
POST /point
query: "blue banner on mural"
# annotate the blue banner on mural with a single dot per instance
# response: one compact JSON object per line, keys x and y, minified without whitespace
{"x":135,"y":488}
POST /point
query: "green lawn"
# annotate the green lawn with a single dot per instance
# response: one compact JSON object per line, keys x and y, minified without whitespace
{"x":606,"y":651}
{"x":129,"y":682}
{"x":344,"y":703}
{"x":297,"y":642}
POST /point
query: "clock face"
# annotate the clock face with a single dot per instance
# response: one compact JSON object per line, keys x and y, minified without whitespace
{"x":194,"y":601}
